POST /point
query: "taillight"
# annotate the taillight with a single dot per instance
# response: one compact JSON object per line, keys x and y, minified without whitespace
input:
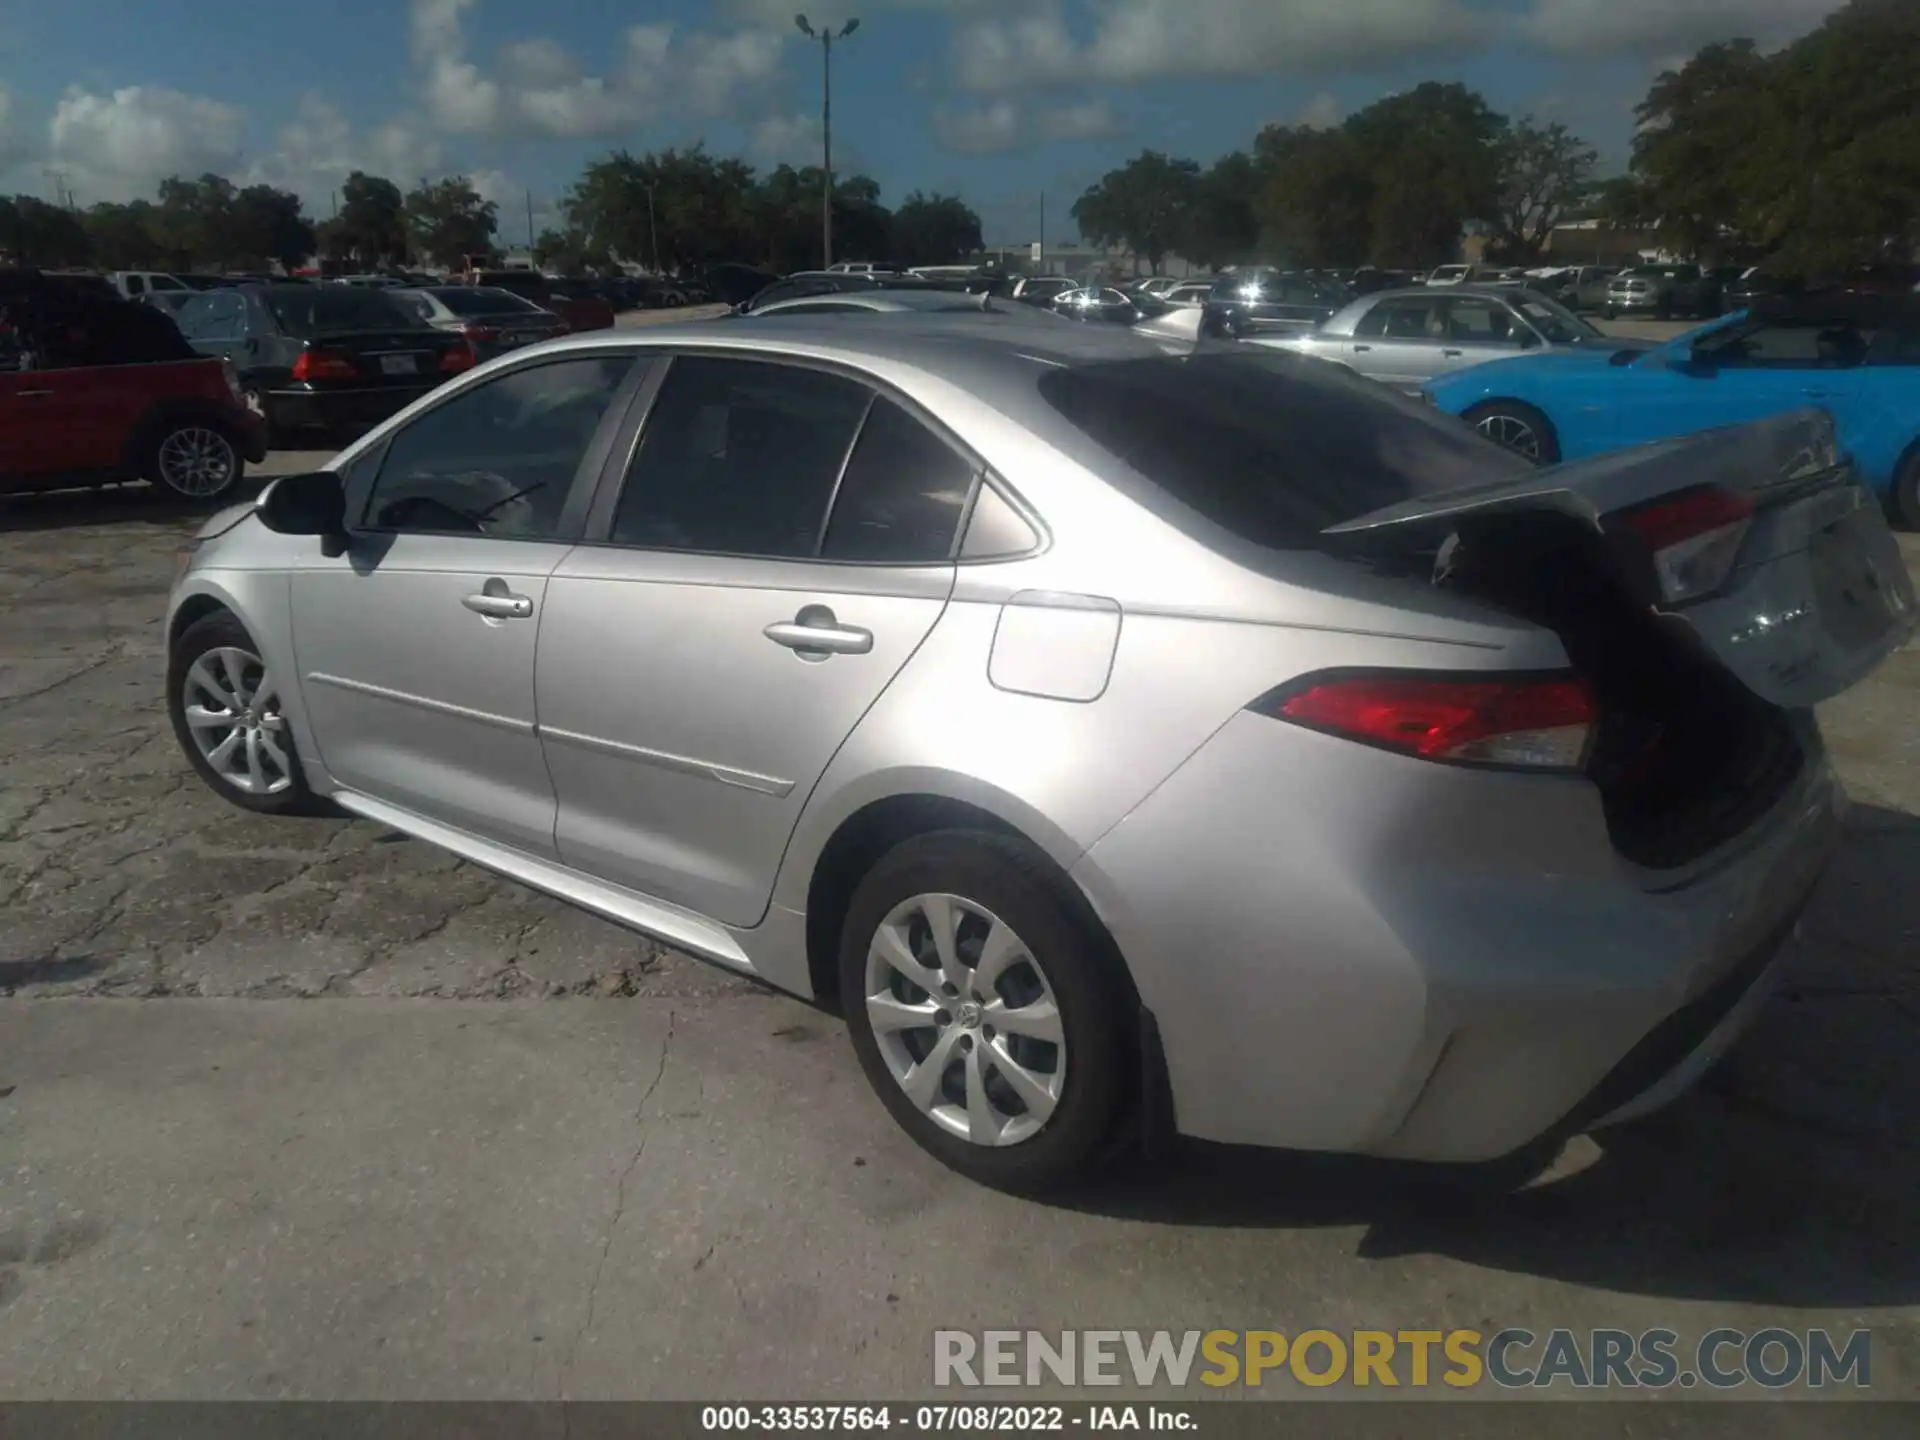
{"x":1693,"y":537}
{"x":457,"y":358}
{"x":312,"y":365}
{"x":1536,"y":722}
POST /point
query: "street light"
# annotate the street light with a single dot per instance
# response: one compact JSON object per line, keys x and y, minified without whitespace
{"x":826,"y":37}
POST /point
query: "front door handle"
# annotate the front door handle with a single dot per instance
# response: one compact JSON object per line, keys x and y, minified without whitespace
{"x":1453,"y":354}
{"x":496,"y":602}
{"x":1358,"y":349}
{"x":32,"y":394}
{"x":814,"y":634}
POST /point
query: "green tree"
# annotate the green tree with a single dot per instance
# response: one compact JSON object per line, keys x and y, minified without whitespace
{"x":1313,"y":201}
{"x":34,"y":232}
{"x":1545,"y":171}
{"x":1144,"y":205}
{"x":124,"y":236}
{"x":1434,"y":157}
{"x":935,"y":230}
{"x":1698,"y":154}
{"x":372,"y":226}
{"x":449,"y":219}
{"x":1221,"y":227}
{"x":267,"y":224}
{"x":194,"y":221}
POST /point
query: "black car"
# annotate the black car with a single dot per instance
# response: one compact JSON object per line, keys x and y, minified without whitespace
{"x":1255,"y":300}
{"x":734,"y":284}
{"x":322,"y":356}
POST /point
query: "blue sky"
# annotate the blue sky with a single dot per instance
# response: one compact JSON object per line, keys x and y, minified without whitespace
{"x":1000,"y":101}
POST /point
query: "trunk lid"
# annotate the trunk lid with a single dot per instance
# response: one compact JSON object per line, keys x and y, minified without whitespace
{"x":389,"y":357}
{"x":1817,"y":594}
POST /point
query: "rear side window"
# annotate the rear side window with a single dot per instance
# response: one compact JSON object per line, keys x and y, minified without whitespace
{"x":902,"y":495}
{"x":1269,"y":447}
{"x":739,"y":457}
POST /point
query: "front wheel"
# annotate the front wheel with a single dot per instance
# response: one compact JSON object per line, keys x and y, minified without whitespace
{"x":225,"y":707}
{"x":194,"y":460}
{"x":983,"y":1011}
{"x":1517,"y":427}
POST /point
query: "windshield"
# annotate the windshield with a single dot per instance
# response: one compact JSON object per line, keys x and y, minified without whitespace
{"x":481,"y":300}
{"x":1271,"y":447}
{"x":337,"y":310}
{"x":1558,"y":324}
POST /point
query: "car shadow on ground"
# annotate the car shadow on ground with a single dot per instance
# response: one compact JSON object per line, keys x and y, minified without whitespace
{"x":1787,"y":1178}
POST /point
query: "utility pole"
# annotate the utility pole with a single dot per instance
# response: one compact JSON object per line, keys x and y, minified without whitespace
{"x":1042,"y":262}
{"x":826,"y":37}
{"x":653,"y":227}
{"x":529,"y":223}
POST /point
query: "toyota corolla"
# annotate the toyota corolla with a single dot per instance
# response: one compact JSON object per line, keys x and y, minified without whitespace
{"x":1210,"y":741}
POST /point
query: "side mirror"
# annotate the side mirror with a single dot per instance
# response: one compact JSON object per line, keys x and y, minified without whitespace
{"x":311,"y":504}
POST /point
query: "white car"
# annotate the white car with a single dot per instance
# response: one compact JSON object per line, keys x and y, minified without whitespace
{"x":1450,"y":275}
{"x":138,"y":284}
{"x":1188,"y":293}
{"x":1157,"y":287}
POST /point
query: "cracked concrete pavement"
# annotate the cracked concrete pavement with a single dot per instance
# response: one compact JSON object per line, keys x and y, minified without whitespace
{"x":322,"y":1158}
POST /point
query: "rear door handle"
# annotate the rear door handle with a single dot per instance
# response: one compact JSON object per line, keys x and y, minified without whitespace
{"x":814,"y":634}
{"x":1359,"y":348}
{"x":496,"y":602}
{"x":33,"y":394}
{"x":1453,"y":354}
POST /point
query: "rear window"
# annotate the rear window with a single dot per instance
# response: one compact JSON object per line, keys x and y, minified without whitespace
{"x":1270,"y":447}
{"x":481,"y":300}
{"x":338,"y":310}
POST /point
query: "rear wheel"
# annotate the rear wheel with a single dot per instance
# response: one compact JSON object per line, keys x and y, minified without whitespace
{"x":1906,"y":491}
{"x":1519,"y":428}
{"x":194,"y":460}
{"x":983,"y":1012}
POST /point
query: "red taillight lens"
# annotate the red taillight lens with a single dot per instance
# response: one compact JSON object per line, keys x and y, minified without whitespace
{"x":324,"y":365}
{"x":460,"y":357}
{"x":1693,"y":537}
{"x":1539,"y":723}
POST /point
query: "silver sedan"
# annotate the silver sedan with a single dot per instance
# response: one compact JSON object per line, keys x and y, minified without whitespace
{"x":1089,"y":723}
{"x":1406,"y":337}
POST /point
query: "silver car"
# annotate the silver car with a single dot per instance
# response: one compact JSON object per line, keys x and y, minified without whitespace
{"x":1091,"y":724}
{"x":493,"y":320}
{"x":1405,"y":337}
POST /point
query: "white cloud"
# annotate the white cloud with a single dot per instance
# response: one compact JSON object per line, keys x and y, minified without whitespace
{"x":541,"y":86}
{"x":1323,"y":112}
{"x":787,"y":140}
{"x":1652,"y":27}
{"x":1089,"y":120}
{"x":120,"y":144}
{"x":1133,"y":40}
{"x":987,"y":130}
{"x":1069,"y":42}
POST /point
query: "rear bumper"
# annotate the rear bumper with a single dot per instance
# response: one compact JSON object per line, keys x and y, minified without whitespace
{"x":326,"y":409}
{"x":1351,"y":951}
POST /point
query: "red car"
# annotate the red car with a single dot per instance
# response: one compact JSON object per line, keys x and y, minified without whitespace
{"x":96,"y":391}
{"x":573,"y":303}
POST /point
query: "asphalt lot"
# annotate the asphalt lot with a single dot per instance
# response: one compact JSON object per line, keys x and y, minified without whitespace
{"x":267,"y":1128}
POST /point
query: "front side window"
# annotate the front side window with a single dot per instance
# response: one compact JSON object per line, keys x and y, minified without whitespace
{"x":1410,"y":318}
{"x":497,"y":460}
{"x":739,"y":457}
{"x":902,"y":495}
{"x":1480,"y":321}
{"x":1795,"y":345}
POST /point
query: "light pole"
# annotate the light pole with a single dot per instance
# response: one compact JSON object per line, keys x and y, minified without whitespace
{"x":653,"y":228}
{"x":826,"y":37}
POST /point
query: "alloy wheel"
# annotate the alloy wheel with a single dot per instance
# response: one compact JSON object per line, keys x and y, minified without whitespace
{"x":197,"y":462}
{"x":232,"y":710}
{"x":965,"y":1020}
{"x":1512,"y":432}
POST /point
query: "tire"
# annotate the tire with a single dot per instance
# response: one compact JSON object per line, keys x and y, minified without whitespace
{"x":998,"y":882}
{"x":1607,"y":312}
{"x":216,"y":642}
{"x":194,"y":460}
{"x":1511,"y":417}
{"x":1905,"y":499}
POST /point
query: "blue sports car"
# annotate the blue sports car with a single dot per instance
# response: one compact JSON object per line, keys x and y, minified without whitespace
{"x":1856,"y":357}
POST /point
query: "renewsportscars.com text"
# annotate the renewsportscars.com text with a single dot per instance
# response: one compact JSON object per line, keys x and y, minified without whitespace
{"x":1414,"y":1359}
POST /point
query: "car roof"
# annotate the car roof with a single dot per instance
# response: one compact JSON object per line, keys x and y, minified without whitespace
{"x":883,"y":299}
{"x":1901,"y":311}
